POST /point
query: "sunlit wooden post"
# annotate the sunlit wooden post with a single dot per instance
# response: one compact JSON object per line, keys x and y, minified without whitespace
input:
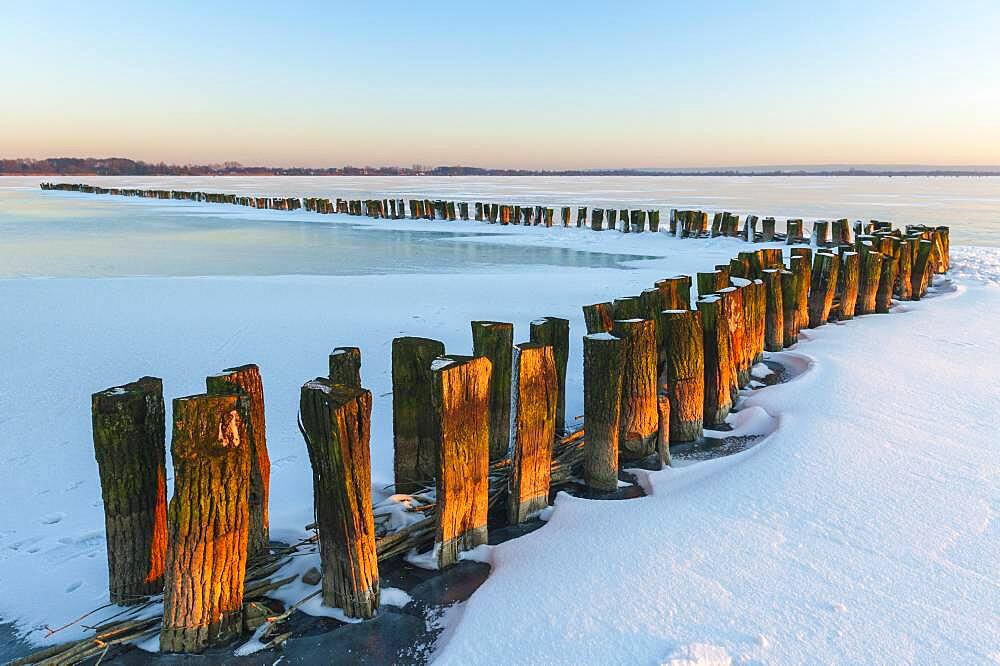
{"x":535,"y":406}
{"x":597,"y":219}
{"x":676,"y":292}
{"x":336,"y":424}
{"x":345,"y":366}
{"x":767,"y":229}
{"x":871,"y":274}
{"x":128,"y":423}
{"x":682,"y":375}
{"x":775,"y":312}
{"x":207,"y":522}
{"x":823,"y":287}
{"x":850,"y":264}
{"x":718,"y":378}
{"x":554,"y":332}
{"x":598,"y":317}
{"x":638,"y":419}
{"x":414,"y":432}
{"x":246,"y":380}
{"x":789,"y":305}
{"x":462,"y":416}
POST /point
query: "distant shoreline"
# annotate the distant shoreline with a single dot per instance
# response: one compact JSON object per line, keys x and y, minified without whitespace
{"x":560,"y":174}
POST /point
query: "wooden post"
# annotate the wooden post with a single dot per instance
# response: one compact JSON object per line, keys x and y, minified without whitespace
{"x":789,"y":306}
{"x":565,"y":216}
{"x":717,"y":225}
{"x":414,"y":433}
{"x":336,"y":425}
{"x":246,"y":380}
{"x":554,"y":332}
{"x":774,"y":318}
{"x":682,"y":376}
{"x":793,"y":231}
{"x":495,"y":341}
{"x":822,"y":287}
{"x":654,"y":227}
{"x":626,"y":307}
{"x":462,"y":416}
{"x":207,"y":522}
{"x":920,"y":275}
{"x":597,"y":317}
{"x":638,"y":419}
{"x":128,"y":424}
{"x":739,"y":334}
{"x":850,"y":264}
{"x":767,"y":229}
{"x":718,"y":380}
{"x":871,"y":273}
{"x":535,"y":405}
{"x":676,"y":292}
{"x":904,"y":278}
{"x":750,"y":229}
{"x":801,"y":263}
{"x":612,"y":215}
{"x":711,"y":282}
{"x":345,"y":366}
{"x":821,"y":233}
{"x":602,"y":395}
{"x":597,"y":219}
{"x":887,"y":276}
{"x":581,"y":216}
{"x":663,"y":430}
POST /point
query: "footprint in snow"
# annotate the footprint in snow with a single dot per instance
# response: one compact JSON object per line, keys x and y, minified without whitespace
{"x":53,"y":518}
{"x":74,"y":586}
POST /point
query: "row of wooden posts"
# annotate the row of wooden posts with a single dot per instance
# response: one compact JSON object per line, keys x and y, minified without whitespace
{"x":682,"y":223}
{"x":655,"y":371}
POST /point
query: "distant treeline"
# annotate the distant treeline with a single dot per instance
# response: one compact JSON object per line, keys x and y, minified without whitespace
{"x":120,"y":166}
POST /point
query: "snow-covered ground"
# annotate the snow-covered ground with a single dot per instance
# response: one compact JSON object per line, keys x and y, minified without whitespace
{"x":863,"y":530}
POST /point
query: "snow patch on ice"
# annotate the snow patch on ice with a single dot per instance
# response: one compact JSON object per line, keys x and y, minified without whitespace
{"x":393,"y":596}
{"x":699,"y":654}
{"x":425,"y":560}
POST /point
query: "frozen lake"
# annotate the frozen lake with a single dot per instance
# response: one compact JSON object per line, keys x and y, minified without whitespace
{"x":70,"y":235}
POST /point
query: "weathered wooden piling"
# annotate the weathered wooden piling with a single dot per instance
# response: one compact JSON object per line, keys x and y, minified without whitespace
{"x":841,"y":232}
{"x":767,"y":229}
{"x":554,"y":332}
{"x":246,"y":380}
{"x":774,"y":314}
{"x":612,"y":215}
{"x":822,"y":287}
{"x":336,"y":424}
{"x":638,"y":420}
{"x":462,"y":417}
{"x":207,"y":522}
{"x":870,"y":275}
{"x":495,"y":341}
{"x":414,"y":433}
{"x":676,"y":292}
{"x":128,"y":423}
{"x":536,"y":396}
{"x":920,"y":275}
{"x":581,"y":216}
{"x":789,"y":306}
{"x":739,"y":319}
{"x":904,"y":277}
{"x":718,"y":368}
{"x":887,"y":276}
{"x":848,"y":283}
{"x":602,"y":391}
{"x":626,"y":307}
{"x":682,"y":372}
{"x":345,"y":366}
{"x":598,"y":317}
{"x":710,"y":282}
{"x":750,"y":228}
{"x":793,"y":231}
{"x":654,"y":220}
{"x":801,"y":263}
{"x":565,"y":216}
{"x":597,"y":219}
{"x":821,"y":233}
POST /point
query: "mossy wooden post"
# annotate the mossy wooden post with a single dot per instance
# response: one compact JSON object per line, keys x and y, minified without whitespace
{"x":821,"y":233}
{"x":612,"y":215}
{"x":822,"y":287}
{"x":638,"y":419}
{"x":597,"y":317}
{"x":462,"y":415}
{"x":887,"y":278}
{"x":246,"y":380}
{"x":626,"y":307}
{"x":581,"y":216}
{"x":336,"y":425}
{"x":870,"y":275}
{"x":767,"y":229}
{"x":602,"y":395}
{"x":207,"y":522}
{"x":801,"y":262}
{"x":772,"y":257}
{"x":414,"y":433}
{"x":920,"y":276}
{"x":716,"y":225}
{"x":128,"y":424}
{"x":756,"y":293}
{"x":774,"y":318}
{"x":904,"y":285}
{"x":463,"y":208}
{"x":738,"y":328}
{"x":597,"y":219}
{"x":712,"y":281}
{"x":536,"y":397}
{"x":345,"y":366}
{"x":663,"y":430}
{"x":554,"y":332}
{"x":495,"y":341}
{"x":682,"y":374}
{"x":672,"y":222}
{"x":793,"y":231}
{"x":789,"y":306}
{"x":676,"y":292}
{"x":654,"y":221}
{"x":942,"y":238}
{"x":565,"y":216}
{"x":850,"y":272}
{"x":718,"y":378}
{"x":479,"y":211}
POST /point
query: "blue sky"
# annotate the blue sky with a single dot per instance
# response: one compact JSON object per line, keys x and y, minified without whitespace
{"x":558,"y":85}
